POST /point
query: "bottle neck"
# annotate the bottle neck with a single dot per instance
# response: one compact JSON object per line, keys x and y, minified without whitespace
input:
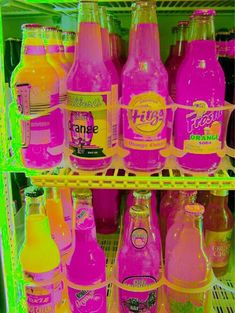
{"x":202,"y":39}
{"x":186,"y":198}
{"x":35,"y":206}
{"x":218,"y":202}
{"x":37,"y":229}
{"x":182,"y":41}
{"x":192,"y":222}
{"x":84,"y":223}
{"x":89,"y":49}
{"x":143,"y":202}
{"x":144,"y":32}
{"x":105,"y":44}
{"x":32,"y":46}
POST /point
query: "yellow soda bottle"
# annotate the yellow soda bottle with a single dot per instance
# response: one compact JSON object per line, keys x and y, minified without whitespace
{"x":62,"y":50}
{"x":40,"y":258}
{"x":69,"y":45}
{"x":59,"y":228}
{"x":54,"y":58}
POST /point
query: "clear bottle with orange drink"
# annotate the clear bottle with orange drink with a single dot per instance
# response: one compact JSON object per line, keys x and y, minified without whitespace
{"x":218,"y":227}
{"x":35,"y":88}
{"x":40,"y":257}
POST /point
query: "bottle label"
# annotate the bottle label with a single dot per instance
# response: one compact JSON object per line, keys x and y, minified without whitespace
{"x":204,"y":129}
{"x":84,"y":218}
{"x":43,"y":299}
{"x":53,"y":49}
{"x":34,"y":50}
{"x":89,"y":124}
{"x":87,"y":301}
{"x":144,"y":125}
{"x":219,"y":245}
{"x":138,"y":302}
{"x":41,"y":125}
{"x":139,"y":238}
{"x":70,"y":49}
{"x":115,"y":115}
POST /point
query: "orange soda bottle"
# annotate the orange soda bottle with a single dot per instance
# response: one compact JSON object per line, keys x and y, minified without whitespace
{"x":69,"y":38}
{"x":218,"y":227}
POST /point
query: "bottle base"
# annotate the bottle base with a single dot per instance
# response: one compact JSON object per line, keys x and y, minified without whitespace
{"x":90,"y":165}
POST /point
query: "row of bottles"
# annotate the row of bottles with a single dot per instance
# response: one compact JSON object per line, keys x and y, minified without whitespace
{"x":89,"y":119}
{"x":62,"y":257}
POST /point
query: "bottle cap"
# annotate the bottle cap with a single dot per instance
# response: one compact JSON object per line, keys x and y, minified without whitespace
{"x":194,"y":209}
{"x":33,"y":192}
{"x":204,"y":12}
{"x":82,"y":193}
{"x":139,"y":210}
{"x":219,"y":193}
{"x":143,"y":194}
{"x":30,"y":26}
{"x":183,"y":23}
{"x":50,"y":29}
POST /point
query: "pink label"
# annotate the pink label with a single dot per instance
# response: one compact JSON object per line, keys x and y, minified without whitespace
{"x":70,"y":49}
{"x":138,"y":302}
{"x":87,"y":301}
{"x":61,"y":48}
{"x":53,"y":49}
{"x":43,"y":299}
{"x":34,"y":50}
{"x":84,"y":218}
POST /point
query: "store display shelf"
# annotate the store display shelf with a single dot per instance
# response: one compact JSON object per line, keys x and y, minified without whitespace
{"x":116,"y":177}
{"x":55,"y":7}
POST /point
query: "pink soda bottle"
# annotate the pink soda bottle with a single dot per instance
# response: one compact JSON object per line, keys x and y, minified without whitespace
{"x":63,"y":59}
{"x":106,"y":204}
{"x":87,"y":264}
{"x":181,"y":45}
{"x":167,"y":203}
{"x":115,"y":78}
{"x":69,"y":38}
{"x":53,"y":57}
{"x":185,"y":197}
{"x":138,"y":263}
{"x":188,"y":265}
{"x":89,"y":110}
{"x":200,"y":84}
{"x":144,"y":198}
{"x":144,"y":89}
{"x":114,"y":41}
{"x":67,"y":204}
{"x":35,"y":88}
{"x":173,"y":50}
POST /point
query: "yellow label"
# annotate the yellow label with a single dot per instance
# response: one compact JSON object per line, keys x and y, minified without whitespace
{"x":202,"y":147}
{"x":89,"y":124}
{"x":144,"y":145}
{"x":147,"y":118}
{"x":219,"y":245}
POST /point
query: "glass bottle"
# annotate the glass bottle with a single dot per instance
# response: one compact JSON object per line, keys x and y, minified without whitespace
{"x":218,"y":227}
{"x":200,"y":84}
{"x":89,"y":130}
{"x":144,"y":88}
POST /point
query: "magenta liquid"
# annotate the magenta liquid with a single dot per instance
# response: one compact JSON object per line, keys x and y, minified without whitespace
{"x":87,"y":265}
{"x":200,"y":83}
{"x":89,"y":130}
{"x":144,"y":130}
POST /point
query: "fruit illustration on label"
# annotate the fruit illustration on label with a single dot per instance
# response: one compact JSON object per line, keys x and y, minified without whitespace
{"x":84,"y":219}
{"x":139,"y":238}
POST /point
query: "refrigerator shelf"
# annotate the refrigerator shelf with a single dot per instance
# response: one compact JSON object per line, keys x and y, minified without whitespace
{"x":116,"y":177}
{"x":69,"y":7}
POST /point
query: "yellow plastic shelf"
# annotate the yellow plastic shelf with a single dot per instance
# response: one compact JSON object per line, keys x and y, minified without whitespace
{"x":116,"y":177}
